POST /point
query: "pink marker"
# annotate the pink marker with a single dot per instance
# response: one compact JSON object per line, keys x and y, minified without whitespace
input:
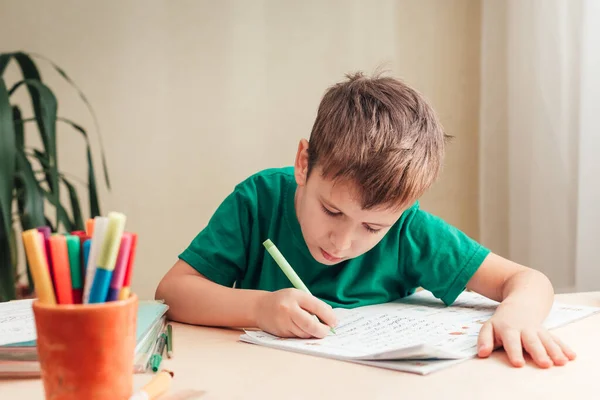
{"x":118,"y":276}
{"x":44,"y":234}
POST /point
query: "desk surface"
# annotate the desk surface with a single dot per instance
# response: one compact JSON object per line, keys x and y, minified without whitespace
{"x":215,"y":361}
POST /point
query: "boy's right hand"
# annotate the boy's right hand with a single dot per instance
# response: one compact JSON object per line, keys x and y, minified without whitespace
{"x":287,"y":313}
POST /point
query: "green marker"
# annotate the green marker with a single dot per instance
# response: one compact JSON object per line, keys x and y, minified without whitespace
{"x":288,"y":270}
{"x":156,"y":358}
{"x":169,"y":341}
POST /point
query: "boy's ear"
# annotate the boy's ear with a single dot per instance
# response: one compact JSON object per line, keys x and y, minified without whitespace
{"x":301,"y":164}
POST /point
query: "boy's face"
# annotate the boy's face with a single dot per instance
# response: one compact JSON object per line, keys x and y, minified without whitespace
{"x":334,"y":224}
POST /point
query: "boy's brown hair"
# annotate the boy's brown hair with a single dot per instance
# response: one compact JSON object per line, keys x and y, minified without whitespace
{"x":379,"y":134}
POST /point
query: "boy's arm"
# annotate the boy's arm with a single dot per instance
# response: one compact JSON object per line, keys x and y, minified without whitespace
{"x":526,"y":296}
{"x":194,"y":299}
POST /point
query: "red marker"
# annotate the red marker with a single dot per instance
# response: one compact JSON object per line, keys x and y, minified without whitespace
{"x":62,"y":272}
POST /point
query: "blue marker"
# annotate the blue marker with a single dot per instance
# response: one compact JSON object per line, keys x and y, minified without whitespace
{"x":107,"y":257}
{"x":86,"y":254}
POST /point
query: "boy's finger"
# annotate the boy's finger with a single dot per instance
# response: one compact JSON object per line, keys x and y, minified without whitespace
{"x":533,"y":345}
{"x":308,"y":323}
{"x":485,"y":341}
{"x":318,"y":308}
{"x":297,"y":331}
{"x":566,"y":349}
{"x":511,"y":341}
{"x":553,"y":349}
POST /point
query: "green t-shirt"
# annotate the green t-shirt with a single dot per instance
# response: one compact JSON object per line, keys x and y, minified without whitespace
{"x":419,"y":250}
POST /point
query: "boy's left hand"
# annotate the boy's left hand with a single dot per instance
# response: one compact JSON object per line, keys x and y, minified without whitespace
{"x":512,"y":329}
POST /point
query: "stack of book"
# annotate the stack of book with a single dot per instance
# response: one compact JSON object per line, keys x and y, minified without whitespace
{"x":18,"y":353}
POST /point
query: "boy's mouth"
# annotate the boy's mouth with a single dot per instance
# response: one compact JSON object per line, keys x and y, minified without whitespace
{"x":329,"y":257}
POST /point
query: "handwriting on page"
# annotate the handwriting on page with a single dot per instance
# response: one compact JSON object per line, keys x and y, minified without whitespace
{"x":384,"y":331}
{"x":389,"y":327}
{"x":16,"y":322}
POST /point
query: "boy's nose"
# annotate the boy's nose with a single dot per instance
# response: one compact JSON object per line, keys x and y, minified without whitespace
{"x":341,"y":240}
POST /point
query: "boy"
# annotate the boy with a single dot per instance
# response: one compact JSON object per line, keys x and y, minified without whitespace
{"x":346,"y":217}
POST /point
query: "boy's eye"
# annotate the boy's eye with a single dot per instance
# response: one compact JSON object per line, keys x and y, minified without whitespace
{"x":372,"y":230}
{"x":329,"y":212}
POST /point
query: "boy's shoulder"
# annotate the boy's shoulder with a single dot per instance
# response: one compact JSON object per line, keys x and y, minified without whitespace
{"x":268,"y":178}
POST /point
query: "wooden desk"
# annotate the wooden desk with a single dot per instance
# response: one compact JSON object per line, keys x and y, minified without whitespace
{"x":213,"y":360}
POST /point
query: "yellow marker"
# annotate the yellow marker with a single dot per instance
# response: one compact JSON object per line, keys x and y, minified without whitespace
{"x":124,"y":293}
{"x":157,"y":386}
{"x":39,"y":267}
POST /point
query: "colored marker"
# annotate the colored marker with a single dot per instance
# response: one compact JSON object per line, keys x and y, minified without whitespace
{"x":42,"y":241}
{"x":126,"y":290}
{"x":156,"y":358}
{"x":287,"y":269}
{"x":156,"y":387}
{"x":118,"y":275}
{"x":74,"y":248}
{"x":38,"y":265}
{"x":169,"y":341}
{"x":46,"y":232}
{"x":62,"y":272}
{"x":87,"y":245}
{"x":82,"y":238}
{"x":107,"y":257}
{"x":89,"y":227}
{"x":100,"y":224}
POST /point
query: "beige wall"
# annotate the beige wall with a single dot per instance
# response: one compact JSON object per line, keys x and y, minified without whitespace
{"x":193,"y":96}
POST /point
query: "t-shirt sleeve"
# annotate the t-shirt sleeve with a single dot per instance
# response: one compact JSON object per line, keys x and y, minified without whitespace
{"x":219,"y":251}
{"x":437,"y":256}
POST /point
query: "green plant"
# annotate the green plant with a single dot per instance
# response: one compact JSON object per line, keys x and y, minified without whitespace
{"x":30,"y":179}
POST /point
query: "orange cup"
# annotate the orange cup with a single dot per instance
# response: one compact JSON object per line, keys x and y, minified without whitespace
{"x":87,"y":351}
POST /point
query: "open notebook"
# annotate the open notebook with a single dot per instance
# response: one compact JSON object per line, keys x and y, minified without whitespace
{"x":18,"y":354}
{"x":416,"y":334}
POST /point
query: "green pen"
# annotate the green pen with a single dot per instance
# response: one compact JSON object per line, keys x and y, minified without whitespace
{"x":156,"y":358}
{"x":169,"y":341}
{"x":288,"y":270}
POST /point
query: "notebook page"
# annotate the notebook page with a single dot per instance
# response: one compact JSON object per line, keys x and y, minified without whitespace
{"x":16,"y":322}
{"x":376,"y":333}
{"x":380,"y":331}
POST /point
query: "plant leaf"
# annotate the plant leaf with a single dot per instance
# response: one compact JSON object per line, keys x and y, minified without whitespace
{"x":30,"y":72}
{"x":75,"y":208}
{"x":70,"y":224}
{"x":47,"y":116}
{"x":62,"y":73}
{"x":31,"y":202}
{"x":92,"y":188}
{"x":7,"y":157}
{"x":4,"y":60}
{"x":63,"y":215}
{"x":31,"y":205}
{"x":18,"y":125}
{"x":7,"y":171}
